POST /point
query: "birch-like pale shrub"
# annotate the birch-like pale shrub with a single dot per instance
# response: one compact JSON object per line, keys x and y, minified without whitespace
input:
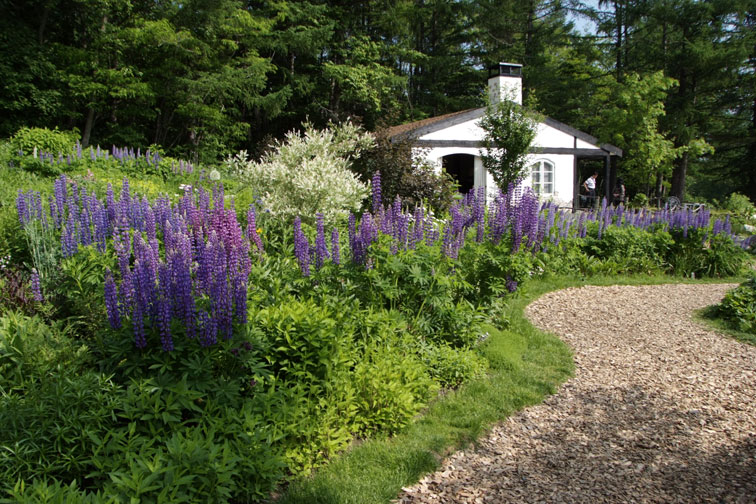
{"x":308,"y":173}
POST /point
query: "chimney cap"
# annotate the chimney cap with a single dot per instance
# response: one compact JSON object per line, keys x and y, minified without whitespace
{"x":505,"y":70}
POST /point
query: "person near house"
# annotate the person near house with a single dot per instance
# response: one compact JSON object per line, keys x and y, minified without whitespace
{"x":618,"y":195}
{"x":590,"y":188}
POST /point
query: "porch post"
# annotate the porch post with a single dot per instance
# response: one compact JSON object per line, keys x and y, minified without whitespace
{"x":575,"y":184}
{"x":607,"y":178}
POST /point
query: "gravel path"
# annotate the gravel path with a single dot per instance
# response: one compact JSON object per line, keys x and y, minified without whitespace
{"x":659,"y":410}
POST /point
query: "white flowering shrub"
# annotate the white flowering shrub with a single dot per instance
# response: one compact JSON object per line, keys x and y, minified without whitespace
{"x":308,"y":172}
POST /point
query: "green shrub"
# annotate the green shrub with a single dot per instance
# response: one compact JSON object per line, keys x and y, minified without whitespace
{"x":428,"y":290}
{"x":740,"y":205}
{"x":50,"y":431}
{"x":696,"y":253}
{"x":405,"y":175}
{"x":568,"y":258}
{"x":303,"y":340}
{"x":487,"y":267}
{"x":42,"y":491}
{"x":12,"y":239}
{"x":29,"y":143}
{"x":640,"y":200}
{"x":392,"y":385}
{"x":31,"y":349}
{"x":31,"y":140}
{"x":308,"y":173}
{"x":625,"y":250}
{"x":450,"y":367}
{"x":739,"y":306}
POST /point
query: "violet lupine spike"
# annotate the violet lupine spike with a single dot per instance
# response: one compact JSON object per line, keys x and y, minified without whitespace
{"x":36,"y":287}
{"x":479,"y":214}
{"x":221,"y":297}
{"x":22,"y":208}
{"x":301,"y":247}
{"x":68,"y":237}
{"x":53,"y":212}
{"x":376,"y":187}
{"x":511,"y":284}
{"x":321,"y":249}
{"x":252,"y":233}
{"x":180,"y":263}
{"x":240,"y":298}
{"x":352,"y":229}
{"x":447,"y":244}
{"x":208,"y":329}
{"x":335,"y":251}
{"x":111,"y":301}
{"x":164,"y":308}
{"x":137,"y":325}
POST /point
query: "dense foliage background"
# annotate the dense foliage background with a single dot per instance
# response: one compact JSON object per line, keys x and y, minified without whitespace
{"x":669,"y":81}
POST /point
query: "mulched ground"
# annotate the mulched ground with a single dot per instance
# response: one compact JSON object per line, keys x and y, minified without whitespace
{"x":660,"y":410}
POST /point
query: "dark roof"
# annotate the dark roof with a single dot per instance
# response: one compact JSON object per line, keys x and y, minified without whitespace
{"x":423,"y":127}
{"x":413,"y":129}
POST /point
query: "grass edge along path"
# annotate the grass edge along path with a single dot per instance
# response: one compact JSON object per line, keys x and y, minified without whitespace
{"x":711,"y":319}
{"x":526,"y":365}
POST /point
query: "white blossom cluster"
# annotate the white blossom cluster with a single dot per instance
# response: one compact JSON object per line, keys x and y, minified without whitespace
{"x":308,"y":172}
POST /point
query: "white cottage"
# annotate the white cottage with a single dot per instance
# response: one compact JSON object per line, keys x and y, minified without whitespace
{"x":452,"y":142}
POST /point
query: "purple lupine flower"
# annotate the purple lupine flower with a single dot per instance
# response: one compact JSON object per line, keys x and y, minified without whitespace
{"x":68,"y":237}
{"x":368,"y":231}
{"x":353,"y":239}
{"x":36,"y":288}
{"x":22,"y":208}
{"x":164,"y":308}
{"x":321,"y":249}
{"x":376,"y":186}
{"x":53,"y":212}
{"x":180,"y":263}
{"x":479,"y":214}
{"x":252,"y":234}
{"x":335,"y":252}
{"x":239,"y":285}
{"x":137,"y":324}
{"x":717,"y":227}
{"x":511,"y":284}
{"x":447,"y":244}
{"x":61,"y":195}
{"x":111,"y":301}
{"x":208,"y":329}
{"x":301,"y":247}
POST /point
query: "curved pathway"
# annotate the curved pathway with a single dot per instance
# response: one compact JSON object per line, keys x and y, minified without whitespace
{"x":660,"y":410}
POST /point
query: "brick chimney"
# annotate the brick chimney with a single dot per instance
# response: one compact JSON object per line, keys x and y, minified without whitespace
{"x":505,"y":83}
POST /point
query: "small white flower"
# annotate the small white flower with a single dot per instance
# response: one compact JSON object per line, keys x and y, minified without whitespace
{"x":214,"y":175}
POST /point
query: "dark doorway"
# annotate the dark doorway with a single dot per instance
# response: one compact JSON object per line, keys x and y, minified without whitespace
{"x":462,"y":169}
{"x":584,"y":168}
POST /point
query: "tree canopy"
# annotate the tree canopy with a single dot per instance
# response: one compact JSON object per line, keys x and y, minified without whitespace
{"x":670,"y":81}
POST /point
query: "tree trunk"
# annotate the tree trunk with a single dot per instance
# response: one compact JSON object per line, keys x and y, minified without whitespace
{"x":618,"y":43}
{"x":88,"y":127}
{"x":678,"y":177}
{"x":43,"y":25}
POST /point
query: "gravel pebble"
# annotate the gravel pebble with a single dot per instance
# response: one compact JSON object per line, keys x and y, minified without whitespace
{"x":660,"y":410}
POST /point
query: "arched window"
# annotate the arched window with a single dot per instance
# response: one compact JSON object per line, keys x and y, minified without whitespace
{"x":542,"y":177}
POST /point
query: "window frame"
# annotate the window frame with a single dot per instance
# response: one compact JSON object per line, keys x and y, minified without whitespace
{"x":538,"y":187}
